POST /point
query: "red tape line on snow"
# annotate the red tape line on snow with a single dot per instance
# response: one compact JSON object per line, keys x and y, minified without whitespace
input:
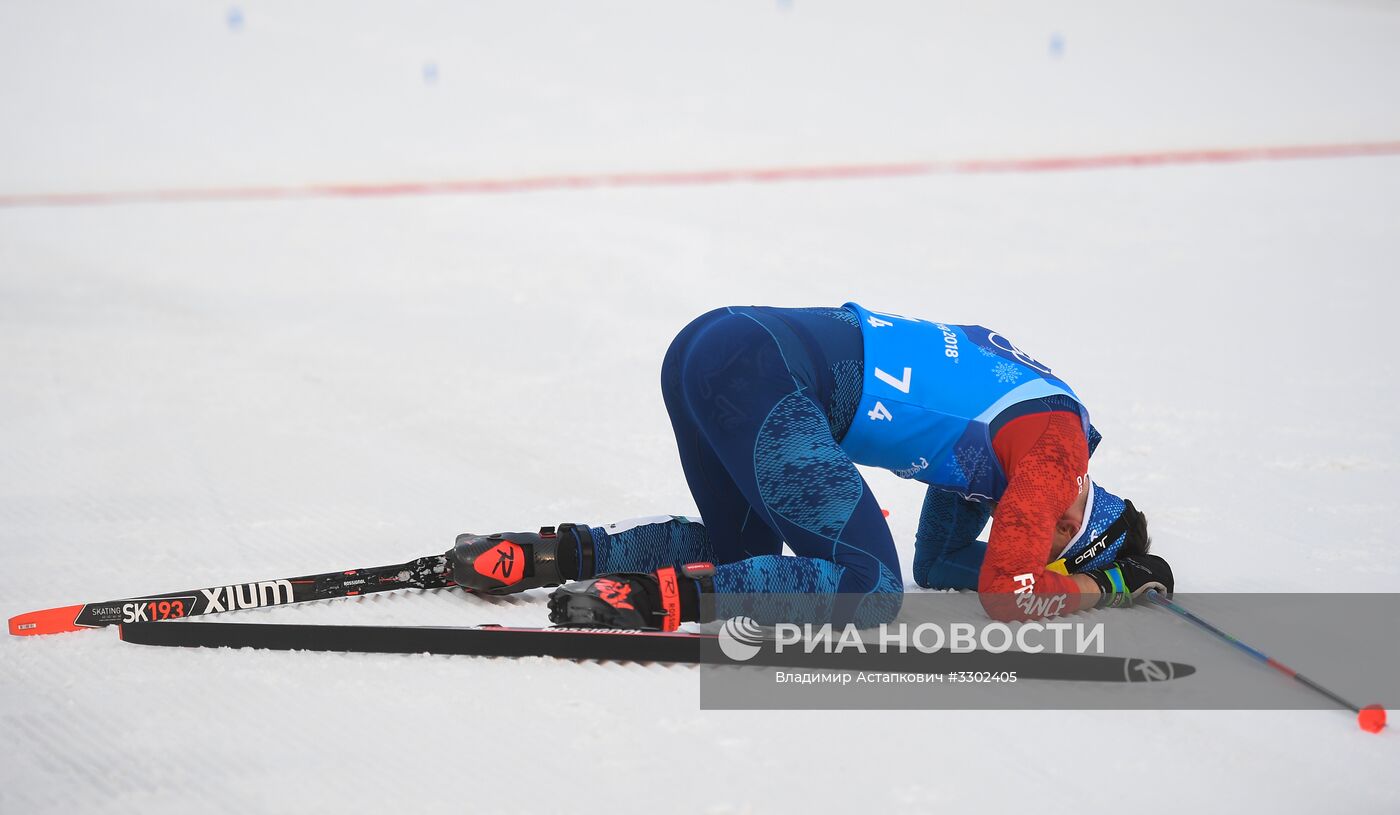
{"x":482,"y":186}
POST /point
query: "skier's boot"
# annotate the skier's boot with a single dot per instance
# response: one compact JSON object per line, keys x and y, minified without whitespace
{"x":507,"y":562}
{"x":657,"y":600}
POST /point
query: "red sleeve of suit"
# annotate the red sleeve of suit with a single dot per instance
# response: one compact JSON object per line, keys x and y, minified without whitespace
{"x":1045,"y":457}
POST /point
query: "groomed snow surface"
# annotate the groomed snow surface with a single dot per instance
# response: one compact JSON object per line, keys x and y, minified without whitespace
{"x":198,"y":393}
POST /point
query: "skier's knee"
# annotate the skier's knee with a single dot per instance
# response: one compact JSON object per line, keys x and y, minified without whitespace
{"x":879,"y":607}
{"x":929,"y":575}
{"x":880,"y":603}
{"x":921,"y":574}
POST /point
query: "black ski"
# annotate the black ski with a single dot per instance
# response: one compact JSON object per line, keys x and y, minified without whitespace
{"x":430,"y":572}
{"x":633,"y":646}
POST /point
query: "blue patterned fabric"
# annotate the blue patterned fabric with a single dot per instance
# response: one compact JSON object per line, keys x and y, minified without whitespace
{"x":847,"y":375}
{"x":839,"y":314}
{"x":801,"y":477}
{"x":947,"y":553}
{"x":650,"y":546}
{"x":751,"y":392}
{"x":773,"y":589}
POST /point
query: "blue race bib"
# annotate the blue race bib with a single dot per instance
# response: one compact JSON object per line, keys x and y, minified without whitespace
{"x":930,"y":393}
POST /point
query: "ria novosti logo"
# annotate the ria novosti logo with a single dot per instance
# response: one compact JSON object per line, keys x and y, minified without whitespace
{"x":740,"y":638}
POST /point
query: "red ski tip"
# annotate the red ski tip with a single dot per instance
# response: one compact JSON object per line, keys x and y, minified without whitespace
{"x":47,"y":621}
{"x":1371,"y":718}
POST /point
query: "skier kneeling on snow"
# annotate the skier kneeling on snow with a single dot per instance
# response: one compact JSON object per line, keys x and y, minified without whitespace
{"x":772,"y":409}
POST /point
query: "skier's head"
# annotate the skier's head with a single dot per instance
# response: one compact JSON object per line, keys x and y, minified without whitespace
{"x":1071,"y":523}
{"x":1109,"y":527}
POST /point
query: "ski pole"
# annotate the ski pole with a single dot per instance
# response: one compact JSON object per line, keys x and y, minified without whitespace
{"x":1370,"y":718}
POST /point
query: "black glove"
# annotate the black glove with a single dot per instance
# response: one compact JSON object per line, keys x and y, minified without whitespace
{"x":1129,"y":577}
{"x":662,"y":599}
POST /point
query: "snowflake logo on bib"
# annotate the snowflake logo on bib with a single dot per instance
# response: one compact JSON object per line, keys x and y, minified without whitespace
{"x":1007,"y":373}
